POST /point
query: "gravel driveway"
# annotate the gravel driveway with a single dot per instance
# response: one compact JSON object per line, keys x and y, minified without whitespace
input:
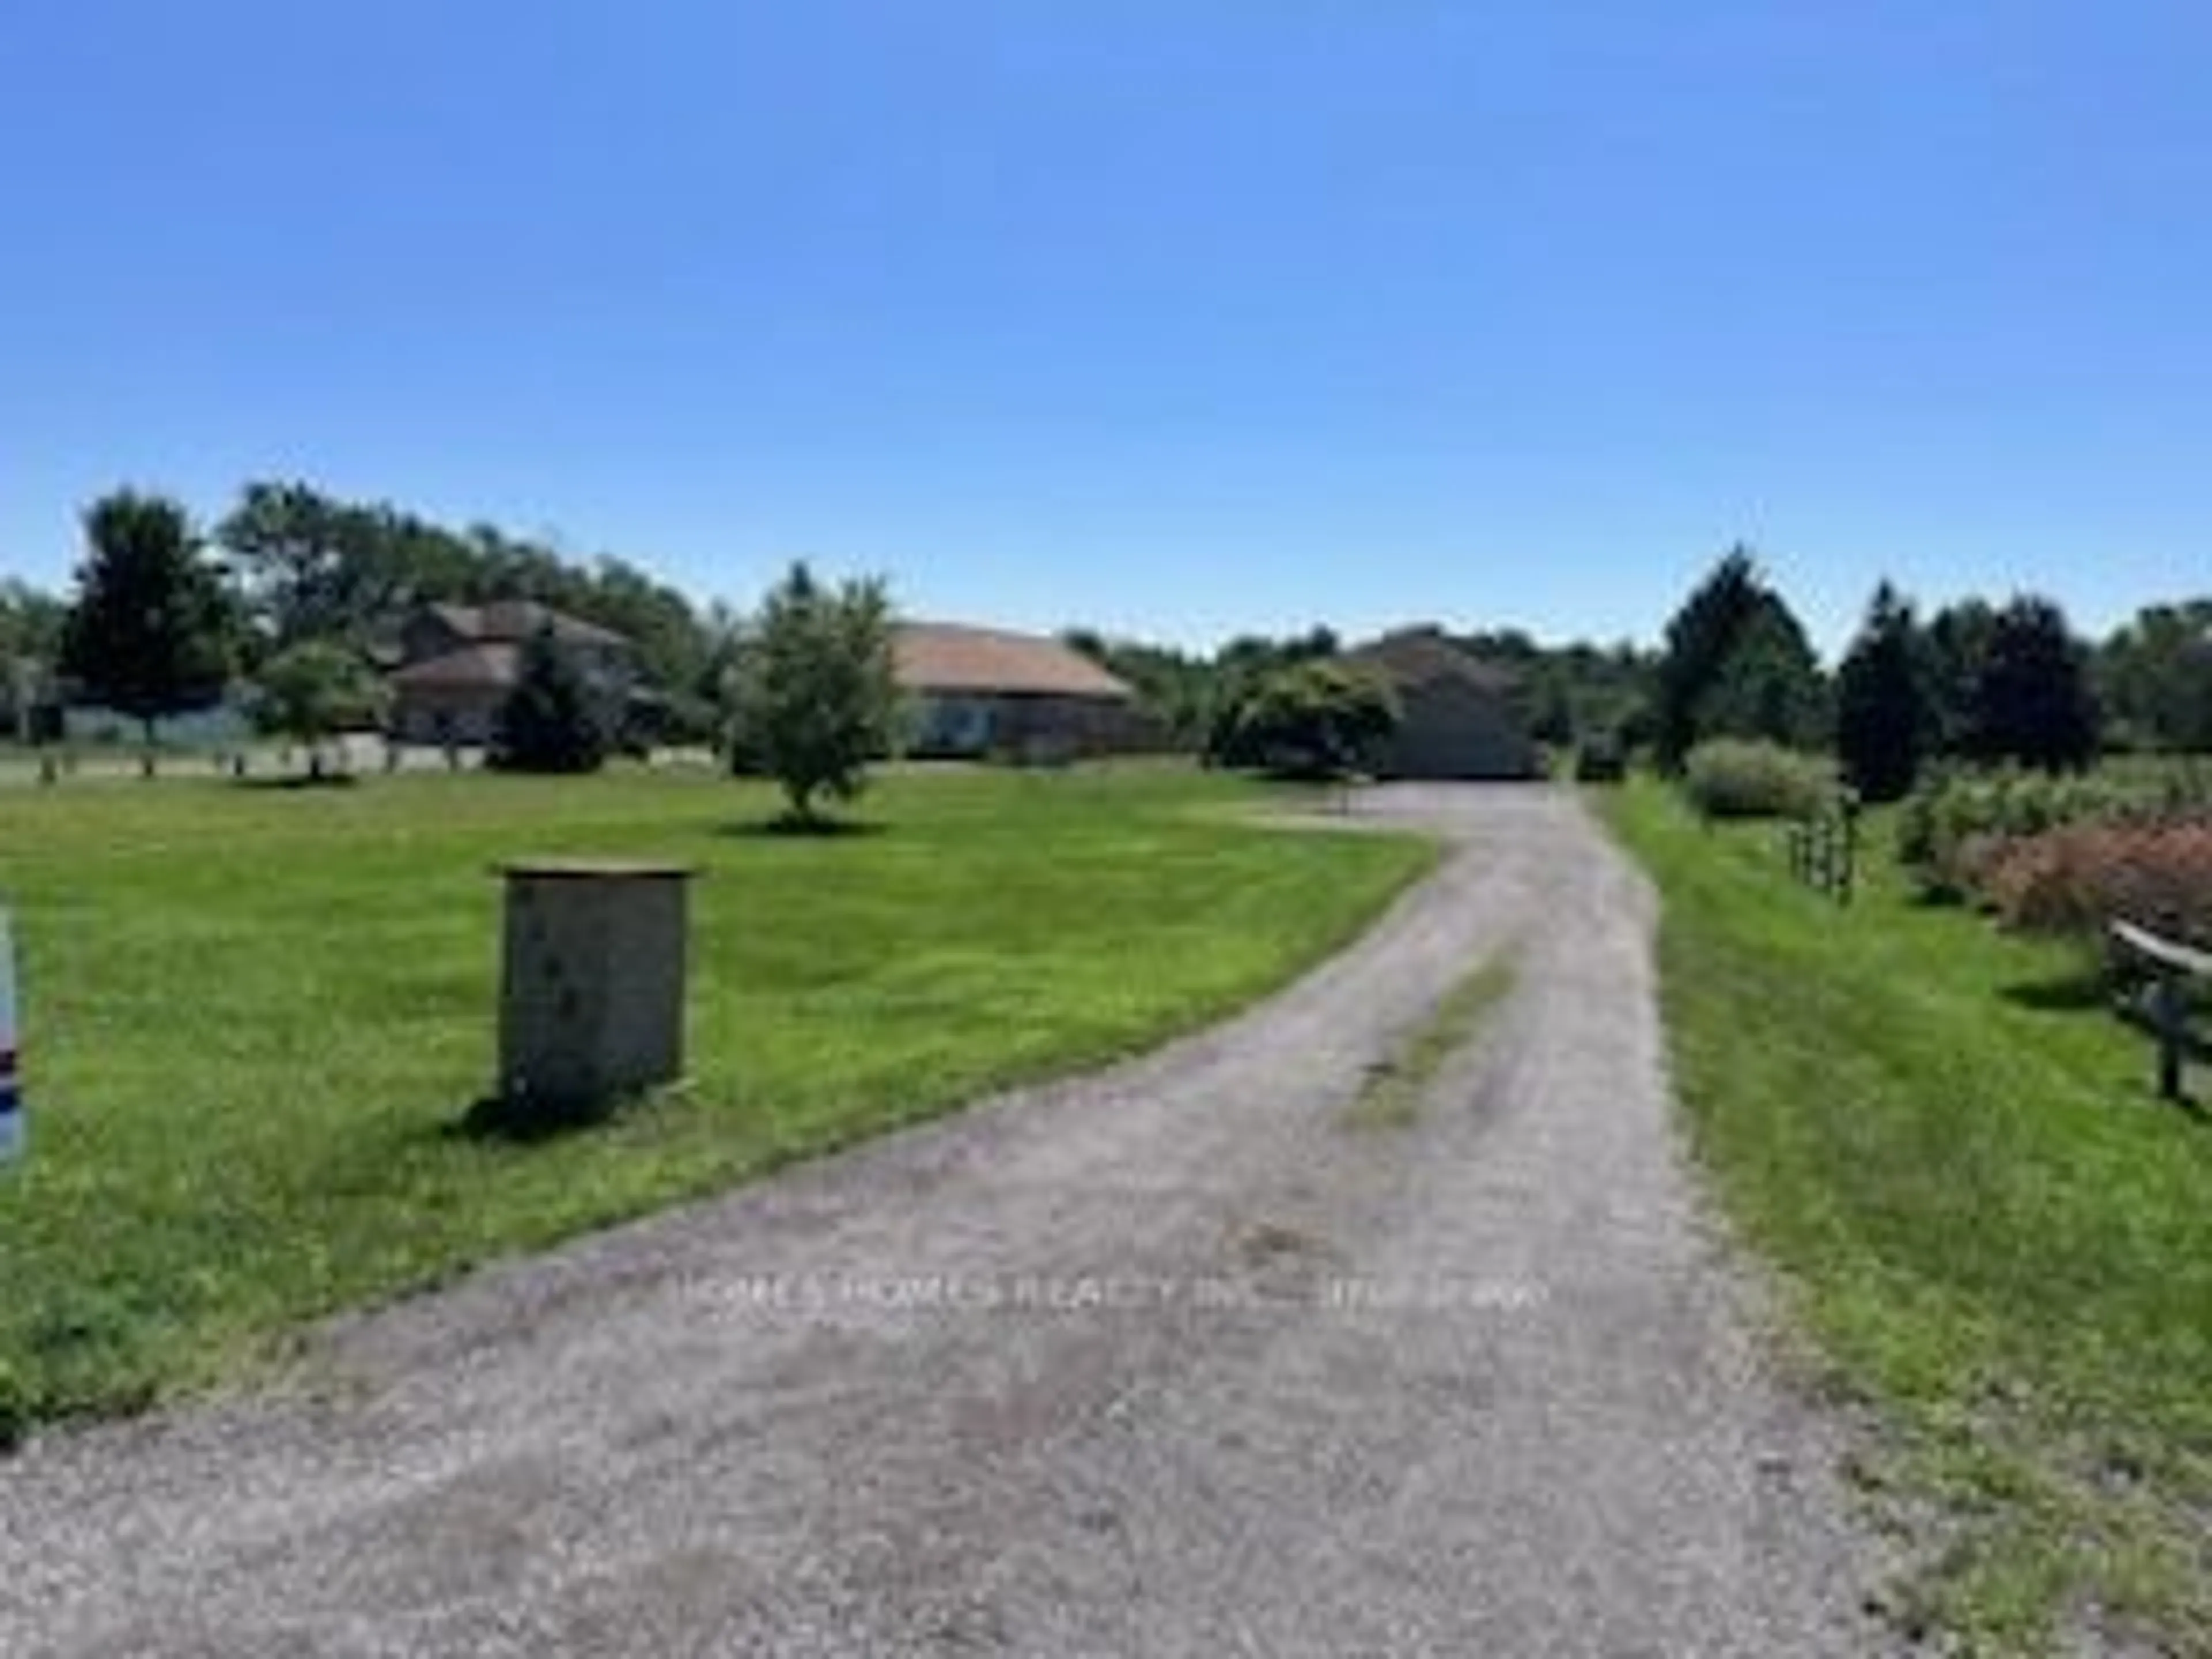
{"x":1166,"y":1360}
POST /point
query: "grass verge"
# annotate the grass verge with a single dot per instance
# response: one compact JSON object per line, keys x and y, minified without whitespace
{"x":1998,"y":1234}
{"x":1391,"y":1097}
{"x":254,"y":1020}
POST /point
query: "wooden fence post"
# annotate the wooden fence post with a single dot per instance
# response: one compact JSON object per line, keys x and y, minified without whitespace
{"x":1850,"y":816}
{"x":2169,"y":1010}
{"x":2172,"y":965}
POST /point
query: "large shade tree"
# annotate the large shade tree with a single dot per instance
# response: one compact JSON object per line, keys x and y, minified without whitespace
{"x":314,"y":568}
{"x":150,"y":633}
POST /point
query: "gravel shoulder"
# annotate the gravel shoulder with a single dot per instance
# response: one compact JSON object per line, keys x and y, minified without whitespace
{"x":1164,"y":1360}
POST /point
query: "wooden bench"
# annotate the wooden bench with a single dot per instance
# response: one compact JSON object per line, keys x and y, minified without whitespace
{"x":2172,"y":965}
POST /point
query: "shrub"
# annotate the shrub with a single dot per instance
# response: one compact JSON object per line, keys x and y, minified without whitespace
{"x":1948,"y":830}
{"x":1730,"y":778}
{"x":1916,"y":829}
{"x":2040,"y":883}
{"x":2080,"y":879}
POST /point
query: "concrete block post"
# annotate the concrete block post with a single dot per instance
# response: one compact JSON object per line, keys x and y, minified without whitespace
{"x":591,"y":997}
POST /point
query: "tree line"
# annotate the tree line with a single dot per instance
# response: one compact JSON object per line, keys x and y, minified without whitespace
{"x":294,"y":589}
{"x":168,"y":616}
{"x":1974,"y":681}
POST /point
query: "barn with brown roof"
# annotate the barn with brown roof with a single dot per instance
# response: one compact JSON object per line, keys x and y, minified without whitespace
{"x":975,"y":692}
{"x":1458,"y":719}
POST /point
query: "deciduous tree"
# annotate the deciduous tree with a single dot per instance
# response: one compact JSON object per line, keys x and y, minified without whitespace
{"x":2155,"y":676}
{"x":812,"y":693}
{"x":1317,"y":719}
{"x":314,"y":689}
{"x":150,"y":633}
{"x":31,"y":625}
{"x":314,"y":568}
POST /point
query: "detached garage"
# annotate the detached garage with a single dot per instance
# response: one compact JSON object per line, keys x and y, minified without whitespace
{"x":1459,"y":719}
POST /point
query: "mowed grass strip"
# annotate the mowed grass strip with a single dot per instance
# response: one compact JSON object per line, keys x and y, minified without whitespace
{"x":253,"y":1019}
{"x":1392,"y":1096}
{"x":1996,"y":1231}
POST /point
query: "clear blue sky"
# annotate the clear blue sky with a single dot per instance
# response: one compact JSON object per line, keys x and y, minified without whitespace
{"x":1173,"y":316}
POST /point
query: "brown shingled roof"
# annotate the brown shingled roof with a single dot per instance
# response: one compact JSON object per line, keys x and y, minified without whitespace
{"x":946,"y":657}
{"x":493,"y":666}
{"x":1418,"y":656}
{"x":510,"y":622}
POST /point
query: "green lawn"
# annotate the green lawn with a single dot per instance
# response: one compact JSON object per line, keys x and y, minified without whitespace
{"x":255,"y":1017}
{"x":1994,"y":1230}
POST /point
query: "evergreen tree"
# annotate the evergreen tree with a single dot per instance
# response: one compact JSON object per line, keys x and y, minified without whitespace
{"x":1957,"y":643}
{"x":1697,"y":644}
{"x":1736,"y":663}
{"x":1768,"y":686}
{"x":1885,"y":712}
{"x":2033,"y":701}
{"x":549,"y":724}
